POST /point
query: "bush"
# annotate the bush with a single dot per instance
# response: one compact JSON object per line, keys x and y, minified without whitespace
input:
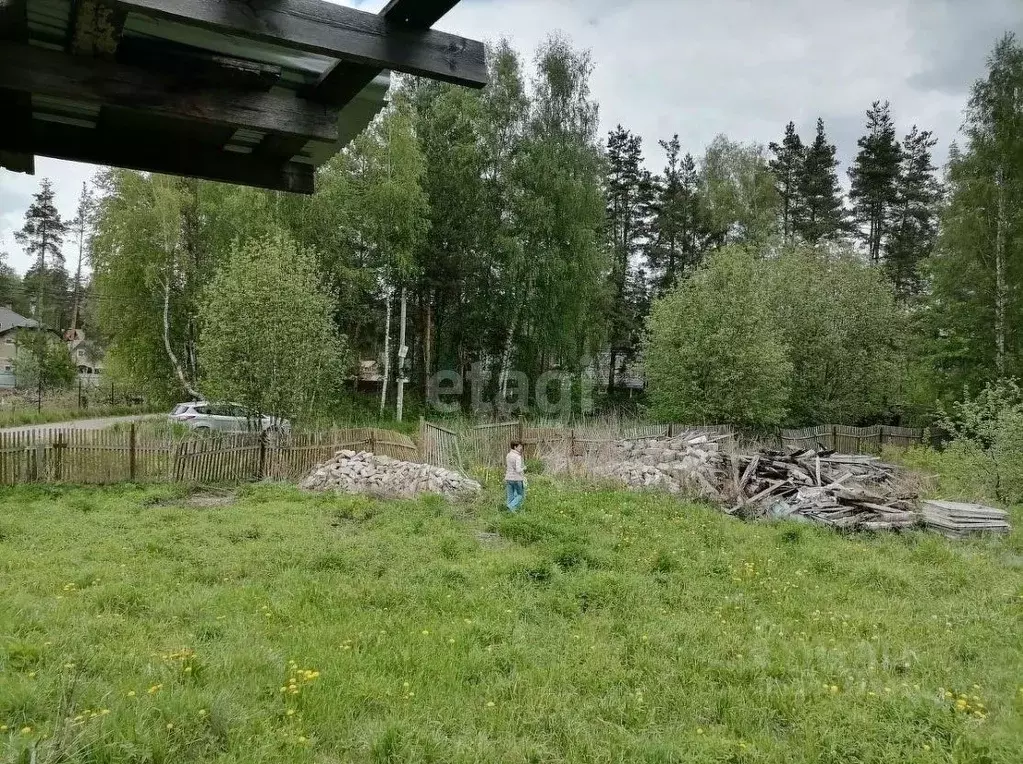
{"x":991,"y":424}
{"x":797,"y":337}
{"x":712,"y":352}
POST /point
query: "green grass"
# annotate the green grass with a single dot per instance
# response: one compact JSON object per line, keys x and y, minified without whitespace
{"x":598,"y":626}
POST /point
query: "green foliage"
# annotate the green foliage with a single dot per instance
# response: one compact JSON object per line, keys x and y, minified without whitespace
{"x":972,"y":328}
{"x":41,"y":354}
{"x":991,"y":424}
{"x":268,"y":341}
{"x":798,"y":338}
{"x":741,"y":203}
{"x":645,"y":626}
{"x":844,"y":335}
{"x":713,"y":354}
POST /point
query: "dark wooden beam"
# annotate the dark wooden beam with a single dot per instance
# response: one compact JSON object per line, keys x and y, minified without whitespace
{"x":15,"y":106}
{"x":345,"y":80}
{"x":197,"y":66}
{"x":36,"y":70}
{"x":170,"y":155}
{"x":421,"y":14}
{"x":332,"y":30}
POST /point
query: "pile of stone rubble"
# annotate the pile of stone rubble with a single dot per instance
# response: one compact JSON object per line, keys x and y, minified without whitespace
{"x":688,"y":464}
{"x":366,"y":473}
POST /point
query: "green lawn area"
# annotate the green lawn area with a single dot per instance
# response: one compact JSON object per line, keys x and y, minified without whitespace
{"x":599,"y":626}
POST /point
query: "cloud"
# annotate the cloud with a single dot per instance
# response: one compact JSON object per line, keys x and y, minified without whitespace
{"x":740,"y":67}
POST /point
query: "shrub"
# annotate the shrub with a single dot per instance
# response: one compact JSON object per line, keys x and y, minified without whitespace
{"x":991,"y":424}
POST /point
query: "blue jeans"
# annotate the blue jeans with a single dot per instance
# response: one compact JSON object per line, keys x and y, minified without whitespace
{"x":516,"y":494}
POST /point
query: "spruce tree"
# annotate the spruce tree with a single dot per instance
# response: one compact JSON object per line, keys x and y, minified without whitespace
{"x":823,"y":215}
{"x":42,"y":237}
{"x":874,"y":176}
{"x":916,"y":214}
{"x":788,"y":168}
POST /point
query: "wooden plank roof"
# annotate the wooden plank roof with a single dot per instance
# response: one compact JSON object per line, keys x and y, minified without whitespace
{"x":258,"y":92}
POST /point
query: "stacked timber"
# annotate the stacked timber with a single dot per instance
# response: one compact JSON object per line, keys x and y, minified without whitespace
{"x":845,"y":491}
{"x":958,"y":520}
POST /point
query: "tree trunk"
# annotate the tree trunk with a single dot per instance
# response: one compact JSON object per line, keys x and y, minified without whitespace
{"x":611,"y":373}
{"x":428,"y":346}
{"x":402,"y":354}
{"x":1001,"y":289}
{"x":78,"y":279}
{"x":387,"y":355}
{"x":182,"y":378}
{"x":502,"y":383}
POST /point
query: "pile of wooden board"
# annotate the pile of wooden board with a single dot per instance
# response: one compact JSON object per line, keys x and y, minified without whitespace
{"x":957,"y":520}
{"x":844,"y":491}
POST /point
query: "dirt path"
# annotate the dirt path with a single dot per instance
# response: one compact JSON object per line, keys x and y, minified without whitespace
{"x":85,"y":424}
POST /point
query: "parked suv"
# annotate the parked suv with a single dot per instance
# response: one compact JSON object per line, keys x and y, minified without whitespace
{"x":205,"y":417}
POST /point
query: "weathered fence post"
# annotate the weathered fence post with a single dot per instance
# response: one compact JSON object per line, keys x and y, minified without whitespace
{"x":261,"y":467}
{"x":132,"y":466}
{"x":372,"y":440}
{"x":59,"y":444}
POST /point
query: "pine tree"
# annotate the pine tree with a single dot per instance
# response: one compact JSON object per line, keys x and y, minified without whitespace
{"x":629,"y":202}
{"x":42,"y":237}
{"x":823,"y":216}
{"x":675,"y":246}
{"x":81,"y":228}
{"x":916,"y":213}
{"x":874,"y":176}
{"x":788,"y":168}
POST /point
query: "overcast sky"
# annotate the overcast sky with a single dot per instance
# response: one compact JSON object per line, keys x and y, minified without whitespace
{"x":739,"y":67}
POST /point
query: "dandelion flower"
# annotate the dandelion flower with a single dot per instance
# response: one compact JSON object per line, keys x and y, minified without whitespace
{"x":699,"y":730}
{"x":833,"y":689}
{"x":291,"y":712}
{"x":302,"y":739}
{"x":202,"y":712}
{"x":490,"y":704}
{"x":170,"y":725}
{"x":26,"y":730}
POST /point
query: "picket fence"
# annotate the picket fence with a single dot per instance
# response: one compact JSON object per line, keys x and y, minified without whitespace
{"x":53,"y":455}
{"x":56,"y":455}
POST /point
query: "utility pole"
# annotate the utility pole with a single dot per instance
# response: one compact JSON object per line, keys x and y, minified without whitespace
{"x":402,"y":354}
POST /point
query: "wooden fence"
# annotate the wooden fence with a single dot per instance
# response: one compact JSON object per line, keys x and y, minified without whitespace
{"x":439,"y":446}
{"x":851,"y":440}
{"x":51,"y":455}
{"x":54,"y":455}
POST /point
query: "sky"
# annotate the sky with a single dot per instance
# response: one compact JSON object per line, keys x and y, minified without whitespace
{"x":744,"y":68}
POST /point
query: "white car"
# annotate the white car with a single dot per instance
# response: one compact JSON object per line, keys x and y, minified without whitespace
{"x":205,"y":417}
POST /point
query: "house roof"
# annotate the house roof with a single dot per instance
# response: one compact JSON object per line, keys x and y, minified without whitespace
{"x":257,"y":94}
{"x":10,"y":320}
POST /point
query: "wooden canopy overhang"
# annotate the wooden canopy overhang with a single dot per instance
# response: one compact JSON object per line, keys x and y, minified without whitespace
{"x":255,"y":92}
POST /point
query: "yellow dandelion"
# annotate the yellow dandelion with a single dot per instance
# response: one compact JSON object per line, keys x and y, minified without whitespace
{"x":170,"y":725}
{"x":490,"y":704}
{"x":3,"y":728}
{"x":302,"y":739}
{"x":291,"y":712}
{"x":104,"y":712}
{"x":426,"y":632}
{"x":26,"y":730}
{"x":155,"y":688}
{"x":833,"y":689}
{"x":699,"y":730}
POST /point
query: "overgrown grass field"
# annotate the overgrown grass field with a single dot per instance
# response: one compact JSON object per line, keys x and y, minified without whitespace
{"x":142,"y":625}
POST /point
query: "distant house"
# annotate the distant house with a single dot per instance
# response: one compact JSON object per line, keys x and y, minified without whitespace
{"x":10,"y":324}
{"x":87,"y":356}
